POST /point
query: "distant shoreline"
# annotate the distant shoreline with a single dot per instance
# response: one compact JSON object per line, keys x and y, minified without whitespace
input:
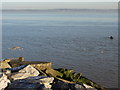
{"x":59,"y":9}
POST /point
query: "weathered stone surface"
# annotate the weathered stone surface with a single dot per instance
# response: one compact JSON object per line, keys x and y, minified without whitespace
{"x":59,"y":85}
{"x":4,"y":65}
{"x":79,"y":87}
{"x":24,"y":84}
{"x":5,"y":71}
{"x":31,"y":70}
{"x":36,"y":64}
{"x":4,"y":81}
{"x":89,"y":87}
{"x":7,"y":60}
{"x":46,"y":81}
{"x":19,"y":59}
{"x":52,"y":72}
{"x":16,"y":69}
{"x":16,"y":48}
{"x":28,"y":71}
{"x":36,"y":82}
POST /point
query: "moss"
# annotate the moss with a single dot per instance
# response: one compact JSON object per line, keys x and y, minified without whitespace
{"x":78,"y":78}
{"x":54,"y":73}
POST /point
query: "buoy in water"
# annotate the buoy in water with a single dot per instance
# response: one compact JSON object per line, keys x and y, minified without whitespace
{"x":111,"y":37}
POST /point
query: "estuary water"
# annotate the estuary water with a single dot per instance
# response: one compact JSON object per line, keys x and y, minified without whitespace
{"x":73,"y":39}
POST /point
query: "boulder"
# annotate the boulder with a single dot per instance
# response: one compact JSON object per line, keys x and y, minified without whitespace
{"x":36,"y":64}
{"x":46,"y":81}
{"x":60,"y":85}
{"x":89,"y":87}
{"x":19,"y":59}
{"x":28,"y":71}
{"x":23,"y":84}
{"x":31,"y":70}
{"x":6,"y":72}
{"x":4,"y":81}
{"x":36,"y":82}
{"x":52,"y":72}
{"x":4,"y":64}
{"x":79,"y":87}
{"x":16,"y":69}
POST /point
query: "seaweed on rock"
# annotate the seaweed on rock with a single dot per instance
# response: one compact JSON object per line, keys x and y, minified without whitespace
{"x":69,"y":75}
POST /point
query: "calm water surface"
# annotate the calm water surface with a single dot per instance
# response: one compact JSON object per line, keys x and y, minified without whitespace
{"x":71,"y":39}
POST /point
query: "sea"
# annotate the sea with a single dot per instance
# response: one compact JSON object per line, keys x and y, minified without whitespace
{"x":69,"y":38}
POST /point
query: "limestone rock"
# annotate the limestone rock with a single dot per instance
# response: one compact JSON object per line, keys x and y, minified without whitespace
{"x":19,"y":59}
{"x":36,"y":64}
{"x":4,"y":65}
{"x":31,"y":70}
{"x":6,"y":72}
{"x":59,"y":85}
{"x":16,"y":69}
{"x":28,"y":71}
{"x":4,"y":81}
{"x":79,"y":87}
{"x":16,"y":47}
{"x":36,"y":82}
{"x":23,"y":84}
{"x":53,"y":72}
{"x":7,"y":60}
{"x":46,"y":81}
{"x":89,"y":87}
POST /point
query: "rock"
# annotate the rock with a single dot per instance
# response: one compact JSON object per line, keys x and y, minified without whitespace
{"x":46,"y":81}
{"x":79,"y":87}
{"x":36,"y":82}
{"x":19,"y":59}
{"x":36,"y":64}
{"x":24,"y":84}
{"x":16,"y":47}
{"x":4,"y":81}
{"x":4,"y":64}
{"x":6,"y":72}
{"x":52,"y":72}
{"x":28,"y":71}
{"x":16,"y":69}
{"x":89,"y":87}
{"x":31,"y":70}
{"x":59,"y":85}
{"x":16,"y":76}
{"x":7,"y":60}
{"x":66,"y":81}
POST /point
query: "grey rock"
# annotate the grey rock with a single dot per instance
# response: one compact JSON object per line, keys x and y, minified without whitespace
{"x":79,"y":87}
{"x":26,"y":72}
{"x":89,"y":87}
{"x":46,"y":81}
{"x":24,"y":84}
{"x":16,"y":69}
{"x":4,"y":64}
{"x":4,"y":81}
{"x":59,"y":85}
{"x":6,"y":71}
{"x":32,"y":83}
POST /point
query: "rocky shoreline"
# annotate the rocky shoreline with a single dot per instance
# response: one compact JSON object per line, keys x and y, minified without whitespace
{"x":35,"y":75}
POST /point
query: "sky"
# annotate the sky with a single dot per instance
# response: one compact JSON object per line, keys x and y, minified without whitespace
{"x":60,"y":0}
{"x":59,"y":5}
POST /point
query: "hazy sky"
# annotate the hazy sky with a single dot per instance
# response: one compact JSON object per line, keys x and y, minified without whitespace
{"x":60,"y":0}
{"x":58,"y":5}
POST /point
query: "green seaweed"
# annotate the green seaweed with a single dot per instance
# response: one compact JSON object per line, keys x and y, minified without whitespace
{"x":69,"y":75}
